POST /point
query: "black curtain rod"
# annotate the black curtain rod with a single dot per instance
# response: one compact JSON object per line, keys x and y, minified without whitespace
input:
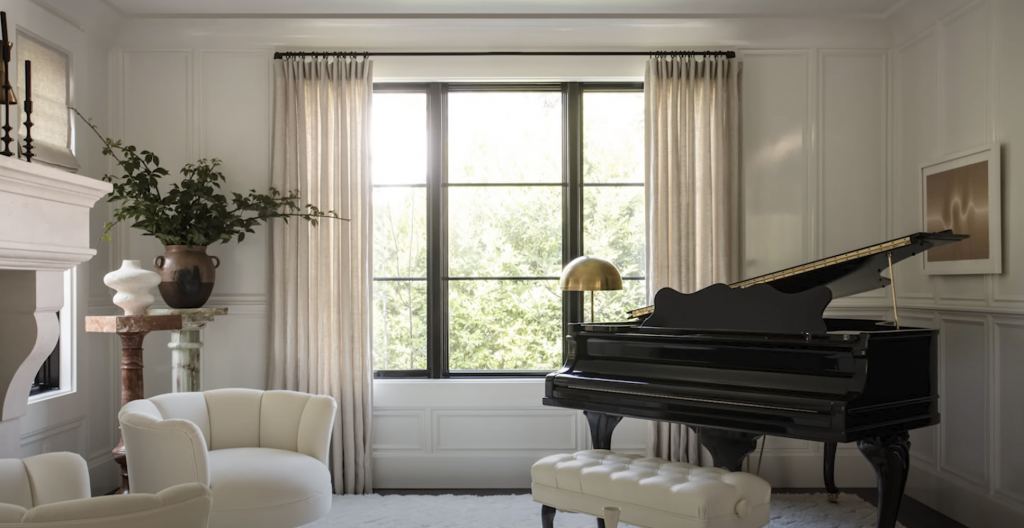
{"x":283,"y":54}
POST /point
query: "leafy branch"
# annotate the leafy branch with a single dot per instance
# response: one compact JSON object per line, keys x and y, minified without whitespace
{"x":194,"y":212}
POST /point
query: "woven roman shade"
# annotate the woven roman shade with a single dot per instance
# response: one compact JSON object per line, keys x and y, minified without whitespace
{"x":51,"y":89}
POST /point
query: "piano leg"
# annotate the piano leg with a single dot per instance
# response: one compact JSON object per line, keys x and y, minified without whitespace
{"x":830,"y":472}
{"x":601,"y":427}
{"x":727,"y":447}
{"x":890,"y":455}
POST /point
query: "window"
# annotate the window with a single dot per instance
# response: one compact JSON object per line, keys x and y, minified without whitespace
{"x":48,"y":377}
{"x":482,"y":193}
{"x":51,"y":97}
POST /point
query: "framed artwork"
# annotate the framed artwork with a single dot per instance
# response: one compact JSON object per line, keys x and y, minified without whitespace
{"x":962,"y":192}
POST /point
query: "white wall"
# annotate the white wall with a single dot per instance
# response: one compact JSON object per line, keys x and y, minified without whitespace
{"x":815,"y":98}
{"x":957,"y":77}
{"x":78,"y":418}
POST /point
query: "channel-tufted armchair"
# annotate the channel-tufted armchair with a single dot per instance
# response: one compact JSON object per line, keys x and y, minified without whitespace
{"x":52,"y":491}
{"x":262,"y":453}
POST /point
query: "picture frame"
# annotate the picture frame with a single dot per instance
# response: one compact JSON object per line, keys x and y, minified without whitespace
{"x":963,"y":192}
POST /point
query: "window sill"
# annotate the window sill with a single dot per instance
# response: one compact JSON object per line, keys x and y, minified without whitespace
{"x":49,"y":395}
{"x":462,"y":381}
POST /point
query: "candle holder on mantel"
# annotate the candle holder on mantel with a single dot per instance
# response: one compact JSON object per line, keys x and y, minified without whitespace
{"x":28,"y":112}
{"x":132,"y":330}
{"x":7,"y":92}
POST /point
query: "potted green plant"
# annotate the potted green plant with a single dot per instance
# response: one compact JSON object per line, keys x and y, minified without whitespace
{"x":188,"y":215}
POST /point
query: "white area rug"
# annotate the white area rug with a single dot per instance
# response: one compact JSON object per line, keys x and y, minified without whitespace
{"x":519,"y":511}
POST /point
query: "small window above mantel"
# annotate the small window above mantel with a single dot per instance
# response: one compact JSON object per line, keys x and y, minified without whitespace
{"x":51,"y":97}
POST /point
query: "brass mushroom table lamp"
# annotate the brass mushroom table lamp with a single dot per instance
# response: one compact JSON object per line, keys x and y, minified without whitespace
{"x":590,"y":274}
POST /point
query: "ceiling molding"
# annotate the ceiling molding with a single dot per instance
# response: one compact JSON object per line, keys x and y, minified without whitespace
{"x":58,"y":13}
{"x":899,"y":5}
{"x":110,"y":5}
{"x":507,"y":9}
{"x":491,"y":16}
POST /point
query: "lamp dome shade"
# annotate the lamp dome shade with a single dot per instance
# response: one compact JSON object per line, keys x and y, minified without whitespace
{"x":590,"y":274}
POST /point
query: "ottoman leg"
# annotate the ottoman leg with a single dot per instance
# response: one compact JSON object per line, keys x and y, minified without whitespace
{"x":611,"y":516}
{"x":547,"y":516}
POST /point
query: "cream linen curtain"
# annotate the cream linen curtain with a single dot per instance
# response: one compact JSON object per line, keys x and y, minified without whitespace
{"x":692,"y":175}
{"x":321,"y":276}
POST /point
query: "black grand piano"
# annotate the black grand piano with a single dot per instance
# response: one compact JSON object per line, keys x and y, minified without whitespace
{"x":739,"y":361}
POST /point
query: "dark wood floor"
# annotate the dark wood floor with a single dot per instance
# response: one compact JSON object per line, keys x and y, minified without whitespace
{"x":913,"y":514}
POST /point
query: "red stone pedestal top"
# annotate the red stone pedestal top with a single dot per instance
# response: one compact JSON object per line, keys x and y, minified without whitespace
{"x":125,"y":324}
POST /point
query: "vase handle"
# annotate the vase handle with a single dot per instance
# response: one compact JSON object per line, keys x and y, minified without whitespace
{"x":159,"y":262}
{"x":216,"y":261}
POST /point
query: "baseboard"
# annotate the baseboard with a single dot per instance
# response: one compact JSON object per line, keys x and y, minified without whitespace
{"x":966,"y":505}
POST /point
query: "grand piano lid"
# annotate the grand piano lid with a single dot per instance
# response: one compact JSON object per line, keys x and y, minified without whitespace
{"x":847,"y":274}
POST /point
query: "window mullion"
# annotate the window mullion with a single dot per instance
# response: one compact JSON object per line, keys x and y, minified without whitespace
{"x":572,"y":196}
{"x":437,"y":231}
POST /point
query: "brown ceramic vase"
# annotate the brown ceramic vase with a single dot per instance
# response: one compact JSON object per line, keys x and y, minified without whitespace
{"x":186,"y":275}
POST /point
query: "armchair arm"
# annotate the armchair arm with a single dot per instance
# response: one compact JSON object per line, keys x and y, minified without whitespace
{"x":316,"y":426}
{"x":161,"y":453}
{"x":57,"y":477}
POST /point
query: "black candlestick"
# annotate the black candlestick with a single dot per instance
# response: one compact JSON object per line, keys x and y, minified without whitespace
{"x":5,"y":50}
{"x":28,"y":112}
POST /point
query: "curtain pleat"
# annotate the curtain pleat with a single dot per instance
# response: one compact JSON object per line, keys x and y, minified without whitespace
{"x":321,"y":276}
{"x":692,"y":182}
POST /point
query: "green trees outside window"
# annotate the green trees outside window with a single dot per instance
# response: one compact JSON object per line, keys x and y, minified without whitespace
{"x":481,"y":194}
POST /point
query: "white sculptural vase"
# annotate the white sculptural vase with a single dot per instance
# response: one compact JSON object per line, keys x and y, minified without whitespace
{"x":132,"y":283}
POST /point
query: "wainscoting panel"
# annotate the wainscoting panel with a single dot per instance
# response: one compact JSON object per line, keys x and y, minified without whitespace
{"x":66,"y":436}
{"x":490,"y":430}
{"x":155,"y":114}
{"x":964,"y":386}
{"x":1009,"y":76}
{"x":965,"y":82}
{"x":966,"y":88}
{"x":1009,"y":393}
{"x":853,"y":122}
{"x":104,"y":387}
{"x":235,"y":349}
{"x":915,"y":92}
{"x":234,"y":101}
{"x":156,"y":111}
{"x":778,"y":186}
{"x":397,"y":430}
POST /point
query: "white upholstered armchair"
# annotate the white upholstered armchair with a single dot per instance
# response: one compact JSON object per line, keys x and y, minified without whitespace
{"x":52,"y":490}
{"x":262,"y":453}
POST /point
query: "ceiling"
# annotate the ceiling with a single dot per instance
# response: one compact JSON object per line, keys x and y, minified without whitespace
{"x":500,"y":8}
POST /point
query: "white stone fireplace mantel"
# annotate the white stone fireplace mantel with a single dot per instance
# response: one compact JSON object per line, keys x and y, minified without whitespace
{"x":44,"y":231}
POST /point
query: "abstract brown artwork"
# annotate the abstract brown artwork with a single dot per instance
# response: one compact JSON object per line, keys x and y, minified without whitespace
{"x":962,"y":193}
{"x":957,"y":199}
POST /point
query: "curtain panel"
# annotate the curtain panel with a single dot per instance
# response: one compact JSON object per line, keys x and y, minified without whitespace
{"x":321,"y":276}
{"x":692,"y":182}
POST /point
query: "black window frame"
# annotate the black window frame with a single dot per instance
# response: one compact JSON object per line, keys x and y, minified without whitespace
{"x":572,"y":185}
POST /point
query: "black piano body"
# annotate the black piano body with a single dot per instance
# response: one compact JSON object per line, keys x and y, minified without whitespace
{"x":757,"y":358}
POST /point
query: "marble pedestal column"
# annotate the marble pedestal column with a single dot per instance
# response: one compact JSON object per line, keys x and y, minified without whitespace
{"x":132,"y":329}
{"x":186,"y":345}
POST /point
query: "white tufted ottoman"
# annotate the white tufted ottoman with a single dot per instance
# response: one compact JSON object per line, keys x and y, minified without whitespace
{"x":650,"y":492}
